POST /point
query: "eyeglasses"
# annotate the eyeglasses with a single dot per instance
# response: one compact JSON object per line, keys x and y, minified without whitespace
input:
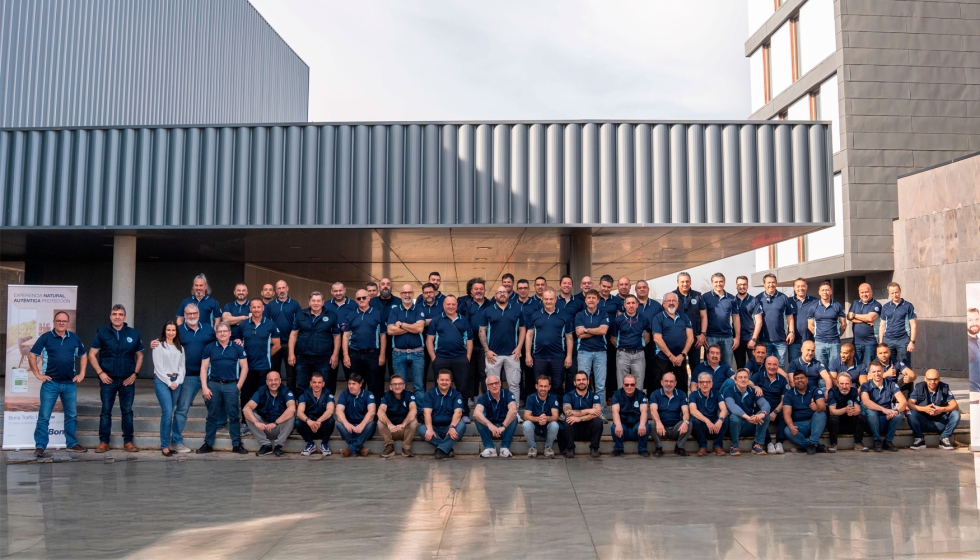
{"x":493,"y":383}
{"x":191,"y":313}
{"x":408,"y":293}
{"x":629,"y":384}
{"x":362,"y":298}
{"x":61,"y":320}
{"x":397,"y":384}
{"x":704,"y":381}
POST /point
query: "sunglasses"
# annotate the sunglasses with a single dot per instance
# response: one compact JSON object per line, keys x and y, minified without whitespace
{"x":362,"y":298}
{"x":629,"y":384}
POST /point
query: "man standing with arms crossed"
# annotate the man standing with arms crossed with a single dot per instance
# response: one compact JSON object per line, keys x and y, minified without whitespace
{"x":282,"y":311}
{"x":862,"y":315}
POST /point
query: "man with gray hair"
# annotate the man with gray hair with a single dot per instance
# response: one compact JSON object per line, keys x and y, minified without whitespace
{"x":117,"y":356}
{"x":201,"y":297}
{"x":223,"y":370}
{"x":673,"y":335}
{"x":195,"y":336}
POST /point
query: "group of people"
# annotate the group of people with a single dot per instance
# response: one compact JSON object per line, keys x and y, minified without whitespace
{"x":763,"y":363}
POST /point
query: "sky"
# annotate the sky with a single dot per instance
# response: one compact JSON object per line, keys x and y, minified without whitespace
{"x":543,"y":60}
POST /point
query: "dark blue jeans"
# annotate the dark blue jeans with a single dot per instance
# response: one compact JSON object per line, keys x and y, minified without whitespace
{"x":553,"y":367}
{"x":108,"y":392}
{"x":899,"y":348}
{"x":223,"y":405}
{"x":487,"y":438}
{"x":864,"y":353}
{"x":324,"y":433}
{"x":630,"y":433}
{"x":356,"y":441}
{"x":701,"y":433}
{"x":942,"y":424}
{"x":877,"y":423}
{"x":50,"y":392}
{"x":306,"y":366}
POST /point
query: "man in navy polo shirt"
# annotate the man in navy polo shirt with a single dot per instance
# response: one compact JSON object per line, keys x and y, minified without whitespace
{"x":384,"y":299}
{"x":59,"y":349}
{"x":396,"y":418}
{"x":863,"y":314}
{"x":691,"y":304}
{"x":471,"y":306}
{"x":549,"y":338}
{"x":406,"y":325}
{"x":355,"y":414}
{"x":261,"y":339}
{"x":116,"y":356}
{"x":582,"y":417}
{"x":802,"y":302}
{"x":816,"y":372}
{"x":847,"y":363}
{"x":673,"y":335}
{"x":826,"y":320}
{"x":435,"y":279}
{"x":523,"y":300}
{"x":895,"y":370}
{"x":670,"y":415}
{"x":365,"y":338}
{"x":805,"y":412}
{"x":224,"y":366}
{"x":340,"y":303}
{"x":591,"y":328}
{"x":721,"y":374}
{"x":496,"y":418}
{"x":724,"y":321}
{"x":773,"y":383}
{"x":314,"y":343}
{"x":282,"y":311}
{"x":709,"y":414}
{"x":195,"y":336}
{"x":933,"y":408}
{"x":844,"y":413}
{"x":271,"y":413}
{"x":884,"y":407}
{"x":896,"y":314}
{"x":567,"y":303}
{"x":502,"y":333}
{"x":631,"y":335}
{"x":507,"y":281}
{"x":757,"y":361}
{"x":443,"y":412}
{"x":450,"y":346}
{"x":541,"y":419}
{"x":648,"y":309}
{"x":607,"y":304}
{"x":777,"y":328}
{"x":315,"y":416}
{"x":268,"y":293}
{"x":619,"y":298}
{"x":237,"y":310}
{"x":748,"y":414}
{"x":629,"y":417}
{"x":201,"y":297}
{"x":748,"y":313}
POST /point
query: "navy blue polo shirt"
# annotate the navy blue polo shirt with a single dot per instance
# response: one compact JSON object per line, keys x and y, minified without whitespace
{"x":194,"y":342}
{"x":591,"y":321}
{"x":437,"y":302}
{"x":826,"y":324}
{"x":236,"y":309}
{"x":774,"y":311}
{"x":707,"y":405}
{"x":496,"y":410}
{"x":580,"y":402}
{"x":719,"y":375}
{"x":442,"y":406}
{"x":882,"y":396}
{"x":257,"y":340}
{"x":838,"y":400}
{"x":608,"y":306}
{"x":469,"y":308}
{"x":619,"y":301}
{"x":503,"y":327}
{"x":527,"y":307}
{"x":450,"y":336}
{"x":812,"y":370}
{"x":408,"y":316}
{"x":898,"y":365}
{"x":269,"y":407}
{"x":895,"y":317}
{"x":342,"y":310}
{"x":356,"y":408}
{"x":59,"y":353}
{"x":365,"y":329}
{"x":649,"y":309}
{"x":630,"y":407}
{"x":537,"y":407}
{"x":747,"y":401}
{"x":117,"y":349}
{"x":569,"y":307}
{"x":922,"y":397}
{"x":384,"y":305}
{"x":720,"y":309}
{"x":549,"y":333}
{"x":629,"y":331}
{"x":801,"y":312}
{"x":855,"y":371}
{"x":748,"y":308}
{"x":772,"y":390}
{"x":430,"y":311}
{"x":691,"y":305}
{"x":864,"y":335}
{"x":208,"y":306}
{"x":754,"y":367}
{"x":669,"y":408}
{"x":800,"y":403}
{"x":673,"y":331}
{"x":224,"y":364}
{"x":315,"y":407}
{"x":397,"y":407}
{"x":282,"y":314}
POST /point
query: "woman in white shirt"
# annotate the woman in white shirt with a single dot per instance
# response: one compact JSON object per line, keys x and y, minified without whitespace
{"x":168,"y":368}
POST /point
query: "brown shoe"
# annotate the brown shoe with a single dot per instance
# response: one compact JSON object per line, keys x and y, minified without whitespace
{"x":719,"y":451}
{"x":346,"y":452}
{"x":130,"y":447}
{"x":102,"y":448}
{"x":364,"y":452}
{"x":702,"y":452}
{"x":388,"y":452}
{"x":407,"y":452}
{"x":77,"y":448}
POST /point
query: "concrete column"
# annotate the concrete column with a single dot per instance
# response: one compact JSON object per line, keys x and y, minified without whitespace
{"x":124,"y":275}
{"x":580,"y":256}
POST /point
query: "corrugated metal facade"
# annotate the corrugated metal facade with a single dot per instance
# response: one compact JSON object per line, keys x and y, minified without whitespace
{"x":388,"y":174}
{"x":145,"y":62}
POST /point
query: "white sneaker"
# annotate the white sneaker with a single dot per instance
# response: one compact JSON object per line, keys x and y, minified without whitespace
{"x":505,"y":453}
{"x":324,"y":449}
{"x":488,"y":452}
{"x":779,"y":449}
{"x":181,"y":448}
{"x":532,"y":452}
{"x":549,"y":453}
{"x":771,"y":449}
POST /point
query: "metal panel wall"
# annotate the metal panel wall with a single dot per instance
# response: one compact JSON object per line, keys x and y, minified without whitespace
{"x":135,"y":62}
{"x":380,"y":174}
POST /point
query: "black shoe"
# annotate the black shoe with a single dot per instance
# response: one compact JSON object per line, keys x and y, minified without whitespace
{"x":594,"y":453}
{"x":38,"y":453}
{"x":680,"y":452}
{"x":440,"y":454}
{"x":239,"y":450}
{"x":877,"y":446}
{"x":569,"y":453}
{"x":264,"y":450}
{"x":801,"y":449}
{"x":277,"y":451}
{"x":451,"y":454}
{"x":821,"y":448}
{"x":617,"y":452}
{"x":811,"y":449}
{"x":644,"y":453}
{"x":659,"y":452}
{"x":204,"y":449}
{"x":889,"y":446}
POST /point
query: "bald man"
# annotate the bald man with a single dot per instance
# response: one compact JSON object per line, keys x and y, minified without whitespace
{"x":863,"y":314}
{"x":406,"y":328}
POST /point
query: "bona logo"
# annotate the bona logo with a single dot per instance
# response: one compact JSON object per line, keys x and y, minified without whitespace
{"x":53,"y":432}
{"x":325,"y":319}
{"x":129,"y":339}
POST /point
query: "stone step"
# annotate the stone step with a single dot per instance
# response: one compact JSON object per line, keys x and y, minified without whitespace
{"x":196,"y":411}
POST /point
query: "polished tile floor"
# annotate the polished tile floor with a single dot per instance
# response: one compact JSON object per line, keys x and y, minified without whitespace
{"x":849,"y":505}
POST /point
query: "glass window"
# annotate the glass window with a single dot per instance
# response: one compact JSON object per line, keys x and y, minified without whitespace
{"x":780,"y":60}
{"x":829,"y":242}
{"x":757,"y":76}
{"x":800,"y":109}
{"x":788,"y":252}
{"x":816,"y":33}
{"x":759,"y":13}
{"x":762,"y":259}
{"x":828,"y":109}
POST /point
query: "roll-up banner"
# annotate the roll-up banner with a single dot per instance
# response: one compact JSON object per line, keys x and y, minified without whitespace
{"x":30,"y":313}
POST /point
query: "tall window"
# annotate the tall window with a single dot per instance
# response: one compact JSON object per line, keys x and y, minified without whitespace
{"x":781,"y":54}
{"x":829,"y":242}
{"x":757,"y":78}
{"x":816,"y":33}
{"x":828,"y":108}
